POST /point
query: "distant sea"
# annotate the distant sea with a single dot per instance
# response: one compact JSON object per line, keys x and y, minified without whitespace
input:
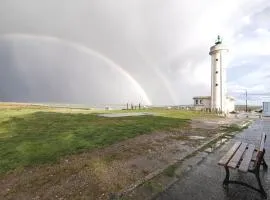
{"x":92,"y":106}
{"x":82,"y":106}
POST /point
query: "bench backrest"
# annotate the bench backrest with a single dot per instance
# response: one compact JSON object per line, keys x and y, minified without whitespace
{"x":263,"y":138}
{"x":261,"y":151}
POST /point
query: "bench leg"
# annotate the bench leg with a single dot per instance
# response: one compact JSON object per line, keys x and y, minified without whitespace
{"x":257,"y":174}
{"x":227,"y":178}
{"x":265,"y":167}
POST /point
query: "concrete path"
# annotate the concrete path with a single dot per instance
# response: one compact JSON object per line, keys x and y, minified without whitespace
{"x":204,"y":181}
{"x":124,"y":114}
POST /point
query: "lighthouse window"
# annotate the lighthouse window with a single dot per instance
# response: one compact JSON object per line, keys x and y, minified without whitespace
{"x":216,"y":59}
{"x":216,"y":72}
{"x":196,"y":102}
{"x":216,"y":84}
{"x":200,"y":101}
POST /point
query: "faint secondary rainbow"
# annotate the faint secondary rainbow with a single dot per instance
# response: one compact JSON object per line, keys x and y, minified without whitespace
{"x":86,"y":50}
{"x":161,"y":76}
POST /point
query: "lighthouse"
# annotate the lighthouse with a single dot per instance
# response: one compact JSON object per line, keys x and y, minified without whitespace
{"x":219,"y":101}
{"x":218,"y":54}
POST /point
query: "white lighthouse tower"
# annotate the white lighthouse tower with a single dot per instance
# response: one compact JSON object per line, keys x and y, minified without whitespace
{"x":218,"y":54}
{"x":218,"y":102}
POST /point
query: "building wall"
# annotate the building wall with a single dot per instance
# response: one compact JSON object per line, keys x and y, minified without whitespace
{"x":230,"y":105}
{"x":202,"y":103}
{"x":266,"y":109}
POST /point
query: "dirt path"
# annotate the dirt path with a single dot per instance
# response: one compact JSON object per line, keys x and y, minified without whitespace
{"x":96,"y":174}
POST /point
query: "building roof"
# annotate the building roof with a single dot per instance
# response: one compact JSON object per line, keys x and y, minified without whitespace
{"x":202,"y":97}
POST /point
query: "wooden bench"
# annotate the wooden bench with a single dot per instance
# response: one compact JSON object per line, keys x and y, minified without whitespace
{"x":245,"y":158}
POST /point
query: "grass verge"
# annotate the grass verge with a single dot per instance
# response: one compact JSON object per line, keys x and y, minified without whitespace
{"x":170,"y":171}
{"x":233,"y":128}
{"x":35,"y":136}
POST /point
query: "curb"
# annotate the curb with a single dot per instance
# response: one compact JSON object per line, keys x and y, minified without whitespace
{"x":150,"y":176}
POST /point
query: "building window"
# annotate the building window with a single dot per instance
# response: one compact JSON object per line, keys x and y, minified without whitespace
{"x":216,"y":72}
{"x":216,"y":59}
{"x":200,"y":101}
{"x":196,"y":101}
{"x":216,"y":84}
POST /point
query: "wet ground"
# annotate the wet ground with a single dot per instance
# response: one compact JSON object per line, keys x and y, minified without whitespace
{"x":97,"y":174}
{"x":204,"y":181}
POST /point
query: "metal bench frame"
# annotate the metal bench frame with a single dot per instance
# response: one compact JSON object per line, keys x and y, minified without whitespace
{"x":256,"y":170}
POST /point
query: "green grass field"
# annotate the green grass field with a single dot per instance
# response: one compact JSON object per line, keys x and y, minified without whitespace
{"x":31,"y":136}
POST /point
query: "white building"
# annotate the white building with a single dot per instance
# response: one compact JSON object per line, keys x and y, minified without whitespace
{"x":218,"y":101}
{"x":202,"y":102}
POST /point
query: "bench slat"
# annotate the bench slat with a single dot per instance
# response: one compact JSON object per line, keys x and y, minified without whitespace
{"x":260,"y":154}
{"x":237,"y":156}
{"x":226,"y":158}
{"x":247,"y":158}
{"x":262,"y":142}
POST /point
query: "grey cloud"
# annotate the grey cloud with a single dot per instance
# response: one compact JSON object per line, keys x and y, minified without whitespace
{"x":258,"y":20}
{"x":152,"y":40}
{"x":261,"y":19}
{"x":37,"y":74}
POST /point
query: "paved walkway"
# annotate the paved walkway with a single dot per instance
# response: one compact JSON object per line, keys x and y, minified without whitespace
{"x":205,"y":180}
{"x":124,"y":114}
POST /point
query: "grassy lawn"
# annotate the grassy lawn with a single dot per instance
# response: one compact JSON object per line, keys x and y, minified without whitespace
{"x":36,"y":135}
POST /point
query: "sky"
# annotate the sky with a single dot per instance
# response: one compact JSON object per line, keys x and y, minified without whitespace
{"x":116,"y":52}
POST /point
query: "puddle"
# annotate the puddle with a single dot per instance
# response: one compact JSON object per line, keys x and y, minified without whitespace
{"x":196,"y":137}
{"x":209,"y":150}
{"x":223,"y":140}
{"x":215,"y":145}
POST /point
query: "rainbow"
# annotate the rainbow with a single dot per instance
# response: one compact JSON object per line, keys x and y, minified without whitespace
{"x":84,"y":49}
